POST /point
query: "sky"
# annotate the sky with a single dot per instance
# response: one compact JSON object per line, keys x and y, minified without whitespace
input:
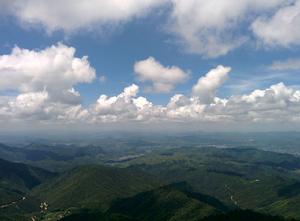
{"x":184,"y":64}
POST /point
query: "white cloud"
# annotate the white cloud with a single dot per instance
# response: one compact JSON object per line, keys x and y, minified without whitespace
{"x":71,"y":114}
{"x":284,"y":65}
{"x":213,"y":28}
{"x":123,"y":107}
{"x":36,"y":107}
{"x":55,"y":69}
{"x":282,"y":28}
{"x":277,"y":103}
{"x":163,"y":79}
{"x":207,"y":85}
{"x":29,"y":103}
{"x":69,"y":15}
{"x":210,"y":28}
{"x":183,"y":108}
{"x":44,"y":82}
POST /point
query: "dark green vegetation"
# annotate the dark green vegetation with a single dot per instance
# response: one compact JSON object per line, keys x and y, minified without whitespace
{"x":172,"y":202}
{"x":235,"y":215}
{"x":16,"y":182}
{"x":245,"y":215}
{"x":93,"y":186}
{"x":142,"y":180}
{"x":247,"y":178}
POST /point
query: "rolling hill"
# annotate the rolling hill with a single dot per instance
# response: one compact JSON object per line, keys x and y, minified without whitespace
{"x":242,"y":177}
{"x":19,"y":178}
{"x":173,"y":202}
{"x":93,"y":186}
{"x":173,"y":183}
{"x":16,"y":182}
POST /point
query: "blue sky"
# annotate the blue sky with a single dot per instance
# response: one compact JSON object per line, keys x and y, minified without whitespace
{"x":114,"y":45}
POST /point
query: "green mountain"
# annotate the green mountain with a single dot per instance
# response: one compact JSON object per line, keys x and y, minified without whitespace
{"x":236,"y":215}
{"x":30,"y":154}
{"x":16,"y":182}
{"x":170,"y":203}
{"x":244,"y":215}
{"x":155,"y":182}
{"x":93,"y":186}
{"x":16,"y":179}
{"x":242,"y":177}
{"x":54,"y":158}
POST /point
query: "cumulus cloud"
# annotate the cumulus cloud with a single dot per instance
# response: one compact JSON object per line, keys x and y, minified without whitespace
{"x":282,"y":28}
{"x":163,"y":79}
{"x":206,"y":87}
{"x":284,"y":65}
{"x":278,"y":103}
{"x":44,"y":82}
{"x":36,"y":107}
{"x":124,"y":107}
{"x":70,"y":15}
{"x":29,"y":103}
{"x":55,"y":69}
{"x":183,"y":108}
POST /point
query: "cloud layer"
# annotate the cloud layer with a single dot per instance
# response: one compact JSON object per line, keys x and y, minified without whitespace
{"x":39,"y":86}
